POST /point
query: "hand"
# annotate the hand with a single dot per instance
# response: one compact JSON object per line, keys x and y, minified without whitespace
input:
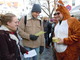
{"x":26,"y":52}
{"x":41,"y":49}
{"x":33,"y":37}
{"x":61,"y":41}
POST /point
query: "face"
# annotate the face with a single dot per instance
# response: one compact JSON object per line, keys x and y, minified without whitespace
{"x":58,"y":15}
{"x":13,"y":25}
{"x":35,"y":14}
{"x":55,"y":20}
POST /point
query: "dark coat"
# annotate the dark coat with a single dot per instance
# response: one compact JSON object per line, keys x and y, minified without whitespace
{"x":9,"y":50}
{"x":45,"y":25}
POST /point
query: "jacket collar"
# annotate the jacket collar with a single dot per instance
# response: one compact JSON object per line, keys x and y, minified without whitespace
{"x":29,"y":17}
{"x":4,"y":28}
{"x":12,"y":35}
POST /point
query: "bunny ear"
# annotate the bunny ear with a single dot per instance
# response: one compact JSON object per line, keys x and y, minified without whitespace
{"x":63,"y":10}
{"x":60,"y":3}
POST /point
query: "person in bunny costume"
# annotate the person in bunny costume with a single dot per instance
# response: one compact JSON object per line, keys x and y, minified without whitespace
{"x":67,"y":30}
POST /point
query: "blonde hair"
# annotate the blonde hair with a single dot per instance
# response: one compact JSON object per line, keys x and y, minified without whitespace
{"x":45,"y":18}
{"x":6,"y":18}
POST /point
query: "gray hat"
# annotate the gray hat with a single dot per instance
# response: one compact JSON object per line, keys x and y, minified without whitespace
{"x":36,"y":8}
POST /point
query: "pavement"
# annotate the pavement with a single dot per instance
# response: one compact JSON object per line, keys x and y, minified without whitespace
{"x":47,"y":54}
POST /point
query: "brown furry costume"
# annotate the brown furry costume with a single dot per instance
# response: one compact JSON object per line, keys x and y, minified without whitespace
{"x":73,"y":39}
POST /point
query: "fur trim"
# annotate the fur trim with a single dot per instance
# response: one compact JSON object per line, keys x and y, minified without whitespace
{"x":4,"y":28}
{"x":12,"y":36}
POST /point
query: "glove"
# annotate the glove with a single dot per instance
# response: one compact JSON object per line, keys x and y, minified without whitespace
{"x":41,"y":49}
{"x":26,"y":52}
{"x":33,"y":37}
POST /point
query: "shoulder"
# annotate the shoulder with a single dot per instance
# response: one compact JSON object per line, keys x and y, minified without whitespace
{"x":72,"y":19}
{"x":2,"y":36}
{"x":73,"y":22}
{"x":2,"y":33}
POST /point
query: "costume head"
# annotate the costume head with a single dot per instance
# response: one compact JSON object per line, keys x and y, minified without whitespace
{"x":36,"y":8}
{"x":63,"y":10}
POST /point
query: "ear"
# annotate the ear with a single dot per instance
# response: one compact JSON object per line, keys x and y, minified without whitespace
{"x":8,"y":23}
{"x":60,"y":3}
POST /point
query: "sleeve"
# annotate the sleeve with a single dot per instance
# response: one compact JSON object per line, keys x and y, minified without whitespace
{"x":74,"y":33}
{"x":23,"y":50}
{"x":42,"y":39}
{"x":21,"y":29}
{"x":5,"y":54}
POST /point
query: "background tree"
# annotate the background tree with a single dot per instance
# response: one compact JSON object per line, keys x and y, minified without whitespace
{"x":48,"y":6}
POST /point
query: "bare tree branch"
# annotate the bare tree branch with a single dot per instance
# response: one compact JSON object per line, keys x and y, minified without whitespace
{"x":53,"y":8}
{"x":45,"y":11}
{"x":39,"y":1}
{"x":44,"y":7}
{"x":47,"y":7}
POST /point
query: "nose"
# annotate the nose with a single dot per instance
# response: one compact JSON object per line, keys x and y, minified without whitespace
{"x":38,"y":14}
{"x":17,"y":23}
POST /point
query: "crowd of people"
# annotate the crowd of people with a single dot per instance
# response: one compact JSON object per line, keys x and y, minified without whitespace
{"x":62,"y":26}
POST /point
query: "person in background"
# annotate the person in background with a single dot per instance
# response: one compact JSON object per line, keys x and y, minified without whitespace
{"x":67,"y":31}
{"x":50,"y":27}
{"x":54,"y":22}
{"x":45,"y":25}
{"x":10,"y":49}
{"x":28,"y":31}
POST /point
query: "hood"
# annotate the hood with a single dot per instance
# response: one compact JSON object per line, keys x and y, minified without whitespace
{"x":63,"y":10}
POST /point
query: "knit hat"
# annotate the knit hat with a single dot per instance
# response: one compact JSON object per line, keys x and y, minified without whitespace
{"x":36,"y":8}
{"x":63,"y":10}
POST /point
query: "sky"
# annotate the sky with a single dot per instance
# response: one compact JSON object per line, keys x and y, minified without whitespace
{"x":77,"y":2}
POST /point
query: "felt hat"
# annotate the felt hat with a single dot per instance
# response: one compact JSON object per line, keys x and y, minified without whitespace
{"x":36,"y":8}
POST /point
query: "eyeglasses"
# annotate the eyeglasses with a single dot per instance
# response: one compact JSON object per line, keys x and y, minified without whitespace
{"x":56,"y":13}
